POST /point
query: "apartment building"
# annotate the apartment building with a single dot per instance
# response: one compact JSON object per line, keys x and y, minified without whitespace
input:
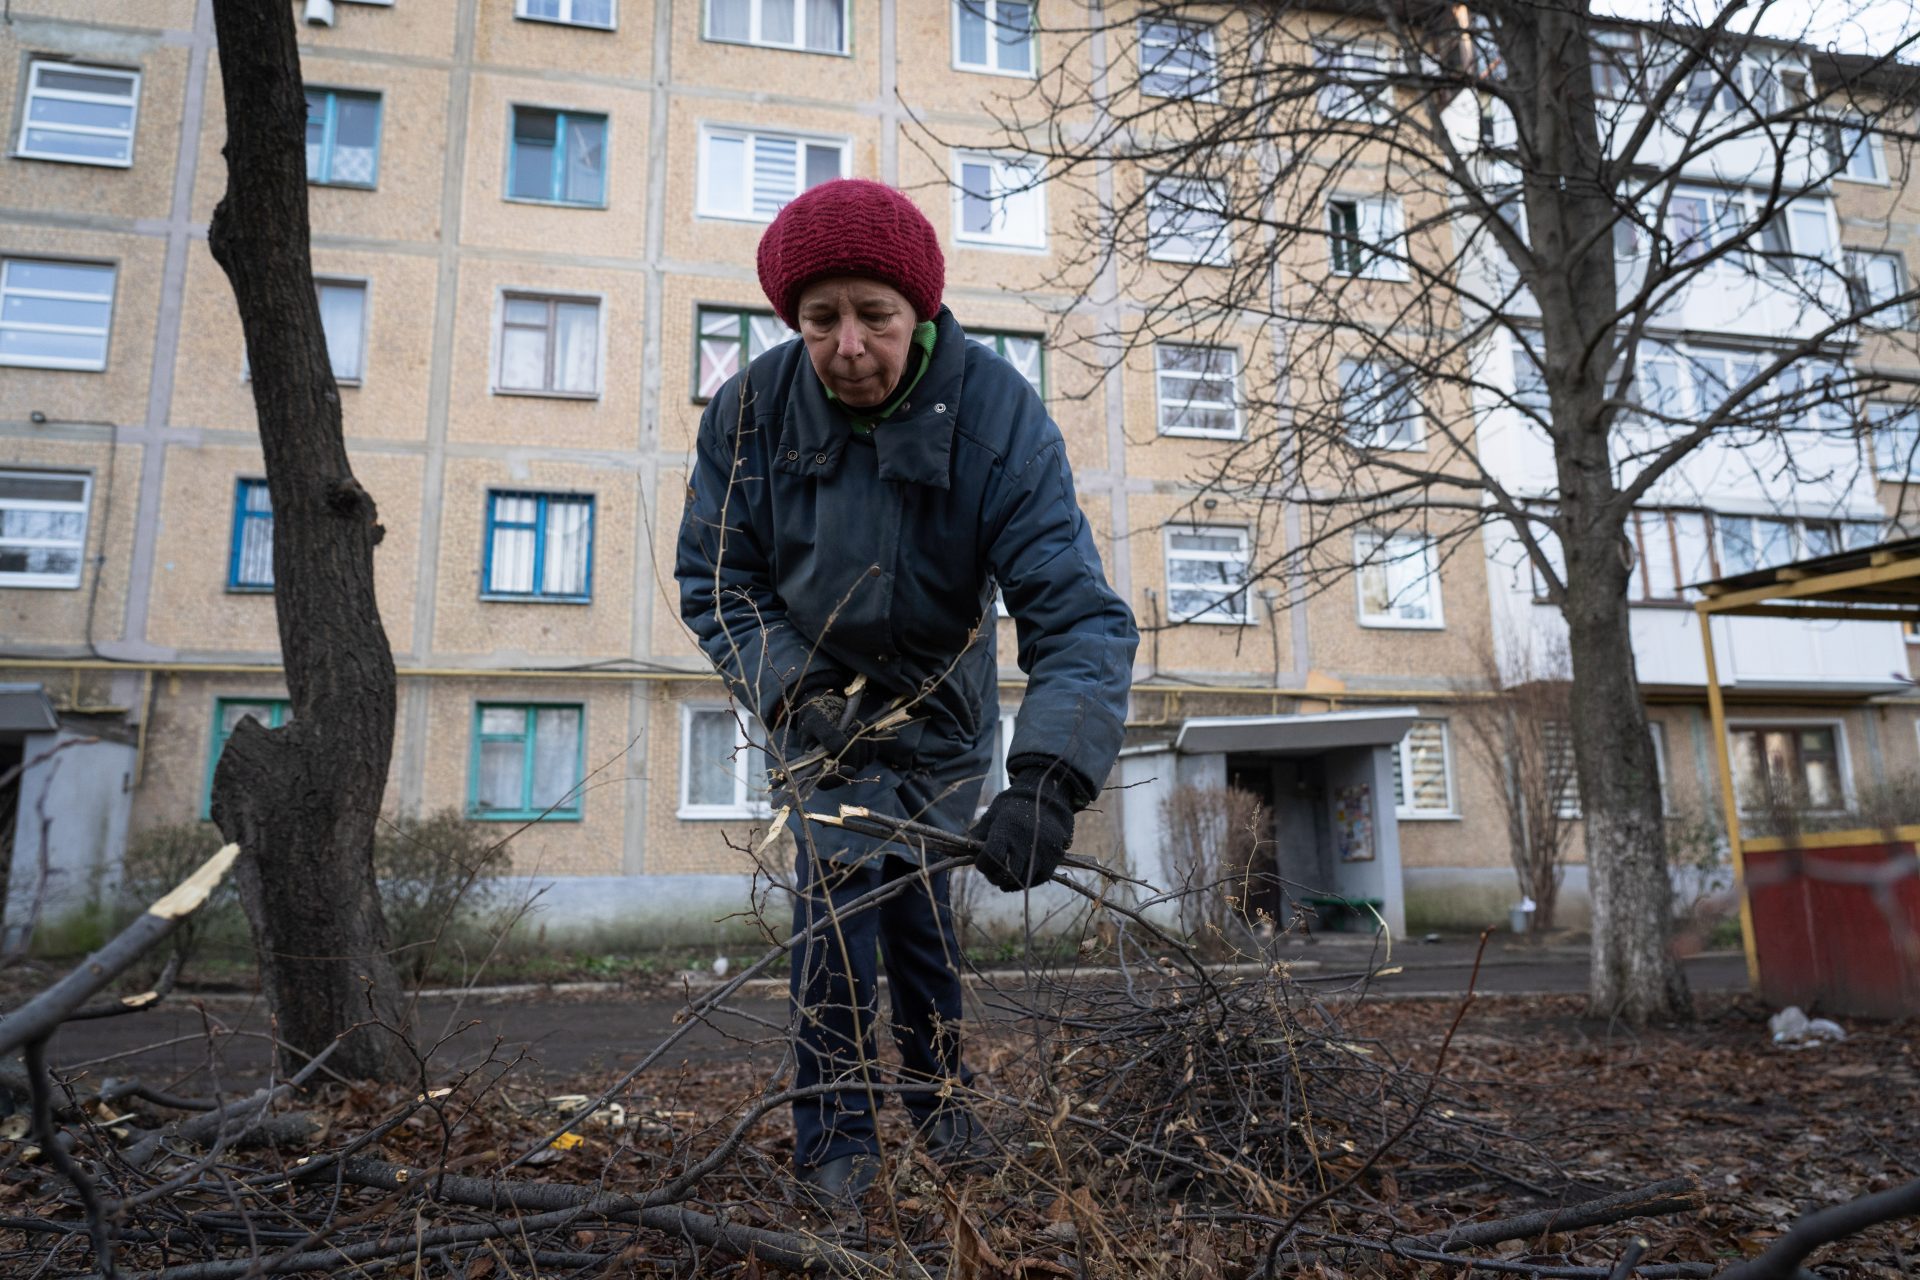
{"x":533,"y":233}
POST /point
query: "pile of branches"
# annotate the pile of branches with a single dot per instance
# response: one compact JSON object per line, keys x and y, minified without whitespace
{"x":1163,"y":1120}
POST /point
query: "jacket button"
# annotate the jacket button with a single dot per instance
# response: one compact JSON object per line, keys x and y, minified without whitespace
{"x":792,"y":454}
{"x":819,"y":459}
{"x":883,"y":659}
{"x":939,"y":408}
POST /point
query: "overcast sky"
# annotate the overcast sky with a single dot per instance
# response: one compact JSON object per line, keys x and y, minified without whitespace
{"x":1855,"y":26}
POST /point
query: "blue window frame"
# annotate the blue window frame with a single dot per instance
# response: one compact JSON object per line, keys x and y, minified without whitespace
{"x":343,"y":138}
{"x":250,"y":563}
{"x":539,"y":546}
{"x":227,"y":714}
{"x":558,"y":157}
{"x":527,"y":761}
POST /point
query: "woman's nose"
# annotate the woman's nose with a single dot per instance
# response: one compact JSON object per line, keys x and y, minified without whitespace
{"x":850,"y":345}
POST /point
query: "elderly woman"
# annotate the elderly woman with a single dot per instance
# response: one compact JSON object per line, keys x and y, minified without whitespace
{"x":856,"y":497}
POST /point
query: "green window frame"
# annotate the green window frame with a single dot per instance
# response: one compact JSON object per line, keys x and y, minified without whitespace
{"x":721,"y":335}
{"x":538,"y":732}
{"x":279,"y":711}
{"x":1010,"y":345}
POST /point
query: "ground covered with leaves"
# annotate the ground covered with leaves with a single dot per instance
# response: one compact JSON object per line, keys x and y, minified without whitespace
{"x":1182,"y":1133}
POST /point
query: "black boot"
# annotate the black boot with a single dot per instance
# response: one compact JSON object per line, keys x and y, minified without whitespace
{"x":954,"y":1138}
{"x":843,"y":1179}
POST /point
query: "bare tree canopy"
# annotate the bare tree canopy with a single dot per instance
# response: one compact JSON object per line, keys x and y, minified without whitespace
{"x":1529,"y":283}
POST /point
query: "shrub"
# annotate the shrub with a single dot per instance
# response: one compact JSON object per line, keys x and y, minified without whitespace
{"x":1215,"y":856}
{"x":439,"y":875}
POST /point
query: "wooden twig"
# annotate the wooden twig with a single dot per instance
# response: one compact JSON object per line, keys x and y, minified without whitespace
{"x":1782,"y":1259}
{"x":1675,"y":1195}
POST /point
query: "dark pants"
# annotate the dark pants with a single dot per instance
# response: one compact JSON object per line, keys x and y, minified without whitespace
{"x":835,"y":988}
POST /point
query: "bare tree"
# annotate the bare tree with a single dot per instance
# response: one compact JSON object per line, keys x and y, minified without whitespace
{"x":302,"y":800}
{"x":1521,"y":737}
{"x":1481,"y":241}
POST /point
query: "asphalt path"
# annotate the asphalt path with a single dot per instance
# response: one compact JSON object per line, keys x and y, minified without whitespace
{"x":209,"y":1043}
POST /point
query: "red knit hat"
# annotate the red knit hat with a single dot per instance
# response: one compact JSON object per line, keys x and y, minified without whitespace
{"x":851,"y":227}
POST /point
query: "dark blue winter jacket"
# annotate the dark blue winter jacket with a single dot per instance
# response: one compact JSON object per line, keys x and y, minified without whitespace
{"x":802,"y":544}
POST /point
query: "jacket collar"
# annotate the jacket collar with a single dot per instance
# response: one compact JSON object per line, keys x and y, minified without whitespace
{"x":915,"y":445}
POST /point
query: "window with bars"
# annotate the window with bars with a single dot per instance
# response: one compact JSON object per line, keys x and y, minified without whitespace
{"x":1198,"y":390}
{"x":526,"y":762}
{"x":1207,"y":575}
{"x":995,"y":36}
{"x":250,"y":559}
{"x":55,"y":315}
{"x":79,"y":114}
{"x":1024,"y":351}
{"x":1399,"y":580}
{"x":811,"y":26}
{"x":1423,"y":784}
{"x":728,"y":340}
{"x":1367,"y":237}
{"x":43,"y":527}
{"x":752,"y":175}
{"x":549,"y":345}
{"x":722,"y":774}
{"x":558,"y":157}
{"x":1380,"y":406}
{"x":1787,"y":767}
{"x":573,"y":13}
{"x":539,"y":547}
{"x":1187,"y":221}
{"x":343,"y":138}
{"x":1356,"y":85}
{"x":999,"y":201}
{"x":1177,"y":60}
{"x":227,"y":715}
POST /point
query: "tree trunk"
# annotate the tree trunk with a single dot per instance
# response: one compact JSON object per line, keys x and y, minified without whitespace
{"x":302,"y":800}
{"x":1635,"y":976}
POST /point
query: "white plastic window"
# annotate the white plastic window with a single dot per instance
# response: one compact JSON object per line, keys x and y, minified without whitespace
{"x":1187,"y":221}
{"x":995,"y":36}
{"x":43,"y":527}
{"x":750,"y":175}
{"x":55,"y":315}
{"x":1207,"y":573}
{"x":80,"y":114}
{"x":1399,"y":579}
{"x":1198,"y":390}
{"x":999,"y":201}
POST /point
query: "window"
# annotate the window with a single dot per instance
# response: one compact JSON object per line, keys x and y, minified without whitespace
{"x":1562,"y":767}
{"x":1616,"y":65}
{"x":227,"y":715}
{"x":729,"y":340}
{"x":549,"y":345}
{"x":1790,"y":767}
{"x":1795,"y":237}
{"x":1876,"y":280}
{"x":1747,"y":543}
{"x":994,"y":36}
{"x":999,"y":200}
{"x":996,"y":780}
{"x":558,"y":157}
{"x":343,"y":138}
{"x":1024,"y":351}
{"x":751,"y":175}
{"x":55,"y":315}
{"x":816,"y":26}
{"x":539,"y":546}
{"x":1399,"y":580}
{"x":1423,"y":784}
{"x":1672,"y":553}
{"x":1176,"y":59}
{"x":574,"y":13}
{"x":1198,"y":390}
{"x":1379,"y":406}
{"x":1529,"y":379}
{"x":1857,"y":153}
{"x":526,"y":762}
{"x":1895,"y":429}
{"x":722,"y":774}
{"x":1356,"y":82}
{"x":43,"y":527}
{"x":250,"y":562}
{"x":1367,"y":238}
{"x":82,"y":115}
{"x":1187,"y":221}
{"x":1207,"y":575}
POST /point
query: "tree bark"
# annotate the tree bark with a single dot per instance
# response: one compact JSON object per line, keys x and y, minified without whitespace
{"x":302,"y":800}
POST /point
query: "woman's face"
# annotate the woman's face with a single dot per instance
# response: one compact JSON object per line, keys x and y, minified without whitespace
{"x":858,"y":333}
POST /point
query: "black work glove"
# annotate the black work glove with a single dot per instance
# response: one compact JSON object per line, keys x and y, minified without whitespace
{"x":1029,"y":826}
{"x":819,"y":719}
